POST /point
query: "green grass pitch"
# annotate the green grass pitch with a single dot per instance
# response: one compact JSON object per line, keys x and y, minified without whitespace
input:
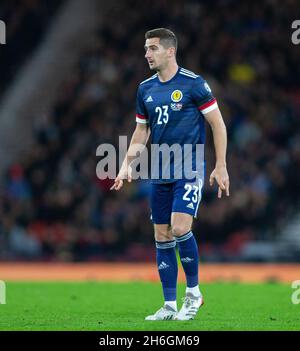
{"x":123,"y":306}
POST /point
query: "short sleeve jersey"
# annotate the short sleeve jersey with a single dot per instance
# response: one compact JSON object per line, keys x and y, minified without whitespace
{"x":175,"y":109}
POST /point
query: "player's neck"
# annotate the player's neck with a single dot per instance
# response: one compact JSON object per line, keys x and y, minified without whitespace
{"x":168,"y":73}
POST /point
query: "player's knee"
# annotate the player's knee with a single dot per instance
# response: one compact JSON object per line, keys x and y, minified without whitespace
{"x":179,"y":229}
{"x":163,"y":235}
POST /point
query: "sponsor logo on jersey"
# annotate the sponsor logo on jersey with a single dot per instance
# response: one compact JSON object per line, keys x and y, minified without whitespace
{"x":176,"y":107}
{"x":149,"y":99}
{"x":190,"y":206}
{"x":176,"y":96}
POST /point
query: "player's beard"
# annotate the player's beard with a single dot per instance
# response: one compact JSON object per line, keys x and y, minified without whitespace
{"x":160,"y":67}
{"x":153,"y":67}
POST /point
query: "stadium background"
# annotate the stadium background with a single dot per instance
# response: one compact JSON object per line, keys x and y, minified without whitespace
{"x":53,"y":207}
{"x":69,"y":73}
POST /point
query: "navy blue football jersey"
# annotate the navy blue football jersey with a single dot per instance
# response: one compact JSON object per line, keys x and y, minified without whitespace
{"x":175,"y":111}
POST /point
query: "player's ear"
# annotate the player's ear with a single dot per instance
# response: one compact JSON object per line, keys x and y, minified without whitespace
{"x":171,"y":51}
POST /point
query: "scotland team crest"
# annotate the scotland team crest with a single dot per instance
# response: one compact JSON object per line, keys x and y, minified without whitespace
{"x":176,"y":96}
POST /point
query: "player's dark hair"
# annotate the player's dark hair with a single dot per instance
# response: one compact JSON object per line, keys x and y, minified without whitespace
{"x":166,"y":37}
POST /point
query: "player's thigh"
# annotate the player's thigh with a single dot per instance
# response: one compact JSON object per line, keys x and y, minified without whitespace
{"x":187,"y":196}
{"x":181,"y":223}
{"x":163,"y":232}
{"x":186,"y":199}
{"x":161,"y":201}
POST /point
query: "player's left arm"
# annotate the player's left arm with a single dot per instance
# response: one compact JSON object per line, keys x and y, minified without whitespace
{"x":220,"y":174}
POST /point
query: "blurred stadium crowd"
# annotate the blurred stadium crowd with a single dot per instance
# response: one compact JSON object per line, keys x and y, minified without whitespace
{"x":52,"y":205}
{"x":26,"y":20}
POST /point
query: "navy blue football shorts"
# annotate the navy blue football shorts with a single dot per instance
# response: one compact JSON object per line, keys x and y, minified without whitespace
{"x":180,"y":196}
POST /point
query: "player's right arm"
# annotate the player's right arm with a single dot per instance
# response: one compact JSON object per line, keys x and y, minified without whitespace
{"x":138,"y":141}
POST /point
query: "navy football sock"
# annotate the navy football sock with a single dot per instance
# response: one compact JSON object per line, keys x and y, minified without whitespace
{"x":188,"y":252}
{"x":167,"y":268}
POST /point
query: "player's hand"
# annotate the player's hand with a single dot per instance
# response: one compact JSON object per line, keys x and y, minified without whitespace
{"x":220,"y":174}
{"x":119,"y":181}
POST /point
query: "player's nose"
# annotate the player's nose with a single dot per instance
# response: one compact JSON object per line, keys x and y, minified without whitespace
{"x":147,"y":55}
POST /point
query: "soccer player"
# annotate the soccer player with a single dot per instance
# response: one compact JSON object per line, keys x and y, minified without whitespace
{"x":172,"y":106}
